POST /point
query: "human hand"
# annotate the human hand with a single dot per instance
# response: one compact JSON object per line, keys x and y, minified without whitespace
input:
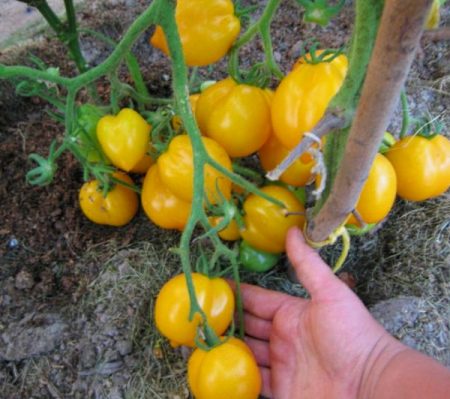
{"x":322,"y":347}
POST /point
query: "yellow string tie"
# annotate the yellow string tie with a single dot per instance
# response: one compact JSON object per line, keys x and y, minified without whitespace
{"x":341,"y":231}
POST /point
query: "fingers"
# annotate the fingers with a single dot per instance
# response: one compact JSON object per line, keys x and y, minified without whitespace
{"x":260,"y":302}
{"x":256,"y":327}
{"x":315,"y":275}
{"x":265,"y":376}
{"x":260,"y":350}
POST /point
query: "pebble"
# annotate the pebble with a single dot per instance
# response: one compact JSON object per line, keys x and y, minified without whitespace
{"x":24,"y":280}
{"x":124,"y":347}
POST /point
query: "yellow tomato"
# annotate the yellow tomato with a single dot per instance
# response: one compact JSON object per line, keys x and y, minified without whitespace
{"x":267,"y":224}
{"x":228,"y":233}
{"x":116,"y":209}
{"x":161,"y":206}
{"x":176,"y":169}
{"x":207,"y":30}
{"x":237,"y":116}
{"x":124,"y":138}
{"x":378,"y":194}
{"x":303,"y":96}
{"x":172,"y":307}
{"x":228,"y":371}
{"x":422,"y":166}
{"x":272,"y":154}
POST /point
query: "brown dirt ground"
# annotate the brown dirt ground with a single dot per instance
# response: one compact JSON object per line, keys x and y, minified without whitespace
{"x":44,"y":238}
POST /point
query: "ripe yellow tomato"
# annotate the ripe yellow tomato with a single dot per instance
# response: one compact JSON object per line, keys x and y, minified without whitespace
{"x":422,"y":166}
{"x":303,"y":96}
{"x":116,"y":209}
{"x":228,"y":371}
{"x":267,"y":224}
{"x":161,"y":206}
{"x":124,"y":138}
{"x":228,"y":233}
{"x":176,"y":169}
{"x":298,"y":174}
{"x":172,"y":307}
{"x":237,"y":116}
{"x":378,"y":194}
{"x":207,"y":30}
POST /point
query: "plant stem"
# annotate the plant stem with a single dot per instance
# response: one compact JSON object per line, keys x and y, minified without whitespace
{"x":405,"y":114}
{"x":181,"y":89}
{"x":368,"y":13}
{"x":71,"y":35}
{"x":399,"y":34}
{"x":261,"y":26}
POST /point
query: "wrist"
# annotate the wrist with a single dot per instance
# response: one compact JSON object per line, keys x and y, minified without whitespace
{"x":384,"y":352}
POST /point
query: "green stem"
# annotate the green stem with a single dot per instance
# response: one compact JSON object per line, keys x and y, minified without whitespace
{"x":261,"y":26}
{"x":405,"y":114}
{"x":71,"y":35}
{"x":368,"y":14}
{"x":49,"y":15}
{"x":136,"y":75}
{"x":166,"y":13}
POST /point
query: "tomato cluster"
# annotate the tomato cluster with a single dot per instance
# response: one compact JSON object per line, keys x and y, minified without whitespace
{"x":228,"y":369}
{"x":237,"y":120}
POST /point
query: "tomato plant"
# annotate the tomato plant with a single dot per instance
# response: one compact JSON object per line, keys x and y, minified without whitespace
{"x":172,"y":307}
{"x":117,"y":208}
{"x":237,"y":116}
{"x":266,"y":224}
{"x":422,"y":166}
{"x":207,"y":30}
{"x":124,"y":138}
{"x":234,"y":117}
{"x":228,"y":371}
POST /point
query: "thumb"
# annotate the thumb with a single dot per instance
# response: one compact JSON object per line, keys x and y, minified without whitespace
{"x":314,"y":274}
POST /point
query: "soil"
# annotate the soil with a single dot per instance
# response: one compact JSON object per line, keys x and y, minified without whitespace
{"x":76,"y":298}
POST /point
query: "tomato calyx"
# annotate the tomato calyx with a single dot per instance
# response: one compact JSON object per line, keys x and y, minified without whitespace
{"x":206,"y":339}
{"x":313,"y":55}
{"x":162,"y":131}
{"x":428,"y":127}
{"x":259,"y":75}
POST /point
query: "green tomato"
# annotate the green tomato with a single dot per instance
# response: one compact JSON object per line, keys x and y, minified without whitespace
{"x":255,"y":260}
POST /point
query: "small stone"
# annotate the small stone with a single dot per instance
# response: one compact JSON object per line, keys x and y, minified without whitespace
{"x":110,"y":330}
{"x":111,"y":355}
{"x":24,"y":280}
{"x":88,"y":356}
{"x":124,"y":347}
{"x":13,"y":243}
